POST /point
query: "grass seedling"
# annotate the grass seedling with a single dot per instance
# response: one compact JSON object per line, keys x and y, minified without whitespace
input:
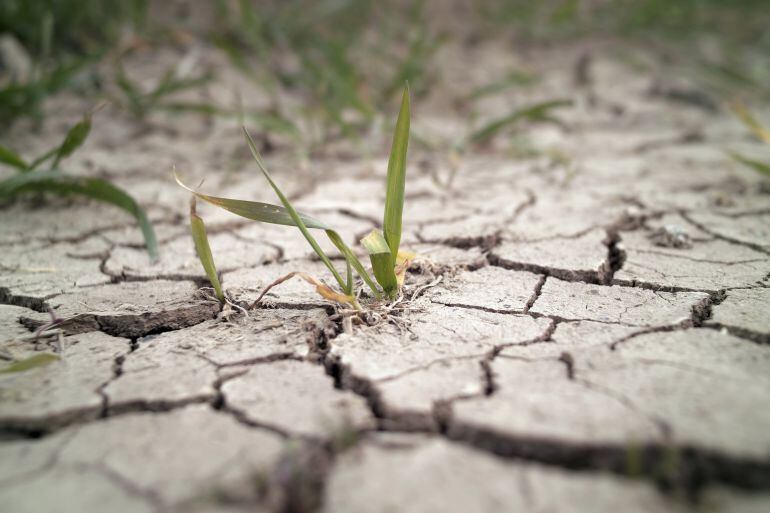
{"x":43,"y":174}
{"x":22,"y":96}
{"x":139,"y":102}
{"x":350,"y":59}
{"x":198,"y":229}
{"x":57,"y":40}
{"x":160,"y":98}
{"x":483,"y":135}
{"x":512,"y":79}
{"x":388,"y":262}
{"x":759,"y":131}
{"x":536,"y":112}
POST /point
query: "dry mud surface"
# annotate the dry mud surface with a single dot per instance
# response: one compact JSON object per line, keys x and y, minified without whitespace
{"x":584,"y":338}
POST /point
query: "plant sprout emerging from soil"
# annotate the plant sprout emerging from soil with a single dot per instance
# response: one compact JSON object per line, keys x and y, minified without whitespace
{"x":346,"y":74}
{"x":388,"y":262}
{"x":202,"y":248}
{"x":140,"y":102}
{"x":43,"y":174}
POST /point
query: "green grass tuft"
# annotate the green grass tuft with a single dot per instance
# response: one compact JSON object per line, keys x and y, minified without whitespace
{"x":383,"y":250}
{"x":30,"y":177}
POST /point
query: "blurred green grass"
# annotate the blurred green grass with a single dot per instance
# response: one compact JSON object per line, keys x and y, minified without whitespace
{"x":78,"y":26}
{"x":346,"y":59}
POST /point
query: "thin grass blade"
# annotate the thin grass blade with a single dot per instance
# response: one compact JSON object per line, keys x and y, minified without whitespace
{"x":42,"y":158}
{"x":171,"y":84}
{"x":759,"y":167}
{"x":96,"y":188}
{"x":394,"y":197}
{"x":202,"y":247}
{"x":11,"y":158}
{"x":75,"y":137}
{"x":759,"y":131}
{"x":352,"y":259}
{"x":294,"y":214}
{"x":274,"y":214}
{"x":537,"y":112}
{"x":132,"y":92}
{"x":513,"y":78}
{"x":255,"y":210}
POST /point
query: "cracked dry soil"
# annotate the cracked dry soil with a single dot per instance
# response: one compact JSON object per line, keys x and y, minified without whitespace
{"x":562,"y":359}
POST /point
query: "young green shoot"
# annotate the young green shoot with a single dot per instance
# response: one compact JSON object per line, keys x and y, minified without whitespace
{"x":383,"y":248}
{"x":140,"y":102}
{"x":31,"y":177}
{"x":388,"y":263}
{"x":479,"y":137}
{"x":512,"y":79}
{"x":537,"y":112}
{"x":202,"y":248}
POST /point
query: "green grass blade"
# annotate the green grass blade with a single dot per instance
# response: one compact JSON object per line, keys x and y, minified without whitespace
{"x":513,"y":78}
{"x":382,"y":261}
{"x":32,"y":362}
{"x":274,"y":122}
{"x":42,"y":158}
{"x":208,"y":109}
{"x":351,"y":286}
{"x":352,"y":259}
{"x":274,"y":214}
{"x":394,"y":197}
{"x":269,"y":121}
{"x":76,"y":136}
{"x":537,"y":112}
{"x":255,"y":210}
{"x":299,"y":223}
{"x":170,"y":84}
{"x":752,"y":123}
{"x":11,"y":158}
{"x":198,"y":228}
{"x":759,"y":167}
{"x":96,"y":188}
{"x":132,"y":92}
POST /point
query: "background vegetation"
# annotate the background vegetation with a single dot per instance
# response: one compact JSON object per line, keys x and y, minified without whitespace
{"x":332,"y":68}
{"x":353,"y":55}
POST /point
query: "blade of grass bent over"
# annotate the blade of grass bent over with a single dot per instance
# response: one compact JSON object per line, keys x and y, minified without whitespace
{"x":255,"y":210}
{"x":537,"y":112}
{"x":198,"y":228}
{"x":274,"y":214}
{"x":322,"y":289}
{"x":394,"y":197}
{"x":350,"y":257}
{"x":96,"y":188}
{"x":75,"y":137}
{"x":295,"y":216}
